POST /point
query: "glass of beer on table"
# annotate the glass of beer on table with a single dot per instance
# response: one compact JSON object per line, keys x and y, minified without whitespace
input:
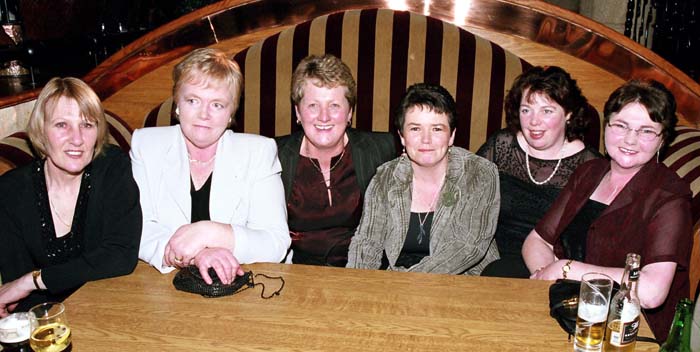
{"x":14,"y":332}
{"x":593,"y":302}
{"x":50,"y":330}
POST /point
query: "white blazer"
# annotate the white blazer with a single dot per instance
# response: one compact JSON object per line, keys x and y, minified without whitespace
{"x":246,"y":192}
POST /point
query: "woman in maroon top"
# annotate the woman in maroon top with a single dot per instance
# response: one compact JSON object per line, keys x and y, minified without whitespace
{"x":326,"y":166}
{"x":631,"y":203}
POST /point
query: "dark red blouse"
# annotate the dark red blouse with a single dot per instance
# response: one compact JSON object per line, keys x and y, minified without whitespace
{"x":650,"y":216}
{"x":321,"y":232}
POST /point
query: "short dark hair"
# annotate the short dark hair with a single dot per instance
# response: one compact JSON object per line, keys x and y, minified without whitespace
{"x":431,"y":96}
{"x":654,"y":96}
{"x":556,"y":84}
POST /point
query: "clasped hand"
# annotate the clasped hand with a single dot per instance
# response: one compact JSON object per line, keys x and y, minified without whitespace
{"x":206,"y":244}
{"x":553,"y":271}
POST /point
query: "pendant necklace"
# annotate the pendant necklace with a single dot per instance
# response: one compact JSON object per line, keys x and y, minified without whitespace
{"x":556,"y":168}
{"x":326,"y":181}
{"x":421,"y":219}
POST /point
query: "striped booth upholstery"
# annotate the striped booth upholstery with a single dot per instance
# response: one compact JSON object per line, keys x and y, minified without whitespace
{"x":16,"y":150}
{"x":683,"y":157}
{"x":387,"y":51}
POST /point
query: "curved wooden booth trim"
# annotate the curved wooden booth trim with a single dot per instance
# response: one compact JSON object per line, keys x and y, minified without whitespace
{"x":138,"y":78}
{"x":534,"y":30}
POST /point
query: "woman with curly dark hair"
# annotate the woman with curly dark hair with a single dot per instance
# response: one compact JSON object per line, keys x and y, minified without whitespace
{"x":536,"y":154}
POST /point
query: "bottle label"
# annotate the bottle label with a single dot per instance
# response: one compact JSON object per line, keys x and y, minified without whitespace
{"x":634,"y":273}
{"x":622,"y":334}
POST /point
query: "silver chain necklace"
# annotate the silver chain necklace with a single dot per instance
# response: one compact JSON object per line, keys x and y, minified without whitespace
{"x":422,"y":220}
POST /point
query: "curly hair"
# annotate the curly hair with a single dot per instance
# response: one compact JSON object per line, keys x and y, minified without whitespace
{"x":557,"y":85}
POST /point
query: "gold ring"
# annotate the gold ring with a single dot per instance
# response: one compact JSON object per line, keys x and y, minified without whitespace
{"x":179,"y":260}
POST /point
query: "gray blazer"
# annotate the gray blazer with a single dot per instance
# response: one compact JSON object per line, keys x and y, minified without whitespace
{"x":461,"y":237}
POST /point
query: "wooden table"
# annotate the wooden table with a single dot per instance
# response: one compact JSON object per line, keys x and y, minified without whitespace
{"x":320,"y":309}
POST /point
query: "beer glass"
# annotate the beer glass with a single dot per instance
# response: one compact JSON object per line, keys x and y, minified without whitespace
{"x":593,"y":301}
{"x":50,"y":331}
{"x":14,"y":332}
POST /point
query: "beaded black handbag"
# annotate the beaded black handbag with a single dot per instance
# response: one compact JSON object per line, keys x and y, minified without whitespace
{"x":189,"y":279}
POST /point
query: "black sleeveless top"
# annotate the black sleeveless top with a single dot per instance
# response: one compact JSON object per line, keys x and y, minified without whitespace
{"x":200,"y":201}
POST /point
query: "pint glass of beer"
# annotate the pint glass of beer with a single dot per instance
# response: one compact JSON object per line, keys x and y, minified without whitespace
{"x":14,"y":333}
{"x":593,"y":301}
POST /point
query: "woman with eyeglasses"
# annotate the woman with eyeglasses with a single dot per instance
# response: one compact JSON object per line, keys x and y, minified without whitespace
{"x":629,"y":203}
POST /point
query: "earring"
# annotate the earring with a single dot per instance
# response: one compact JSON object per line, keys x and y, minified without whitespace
{"x":177,"y":111}
{"x":403,"y":151}
{"x":658,"y":152}
{"x":298,"y":122}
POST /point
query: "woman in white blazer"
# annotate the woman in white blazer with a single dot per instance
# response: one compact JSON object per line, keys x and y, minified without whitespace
{"x":210,"y":197}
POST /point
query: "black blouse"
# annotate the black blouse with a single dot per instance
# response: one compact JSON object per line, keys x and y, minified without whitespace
{"x":200,"y":201}
{"x":60,"y":249}
{"x":104,"y":237}
{"x":417,"y":243}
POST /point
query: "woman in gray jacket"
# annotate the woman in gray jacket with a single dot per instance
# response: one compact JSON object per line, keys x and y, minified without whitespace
{"x":435,"y":208}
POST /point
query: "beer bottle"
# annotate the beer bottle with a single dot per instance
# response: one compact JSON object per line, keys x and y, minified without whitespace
{"x":679,"y":335}
{"x":623,"y":318}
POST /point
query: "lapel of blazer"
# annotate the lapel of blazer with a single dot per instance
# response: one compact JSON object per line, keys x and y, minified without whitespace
{"x":360,"y":158}
{"x":637,"y":185}
{"x":176,"y":173}
{"x":449,"y":195}
{"x":289,"y":157}
{"x":231,"y":161}
{"x":399,"y":196}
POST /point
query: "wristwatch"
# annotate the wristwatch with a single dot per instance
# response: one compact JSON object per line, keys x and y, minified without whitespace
{"x":566,"y":268}
{"x":35,"y":277}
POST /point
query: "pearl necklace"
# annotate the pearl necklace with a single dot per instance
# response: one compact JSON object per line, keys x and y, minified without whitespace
{"x":556,"y":168}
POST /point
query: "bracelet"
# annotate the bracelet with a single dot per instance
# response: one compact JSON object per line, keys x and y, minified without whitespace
{"x":35,"y":276}
{"x":566,"y":268}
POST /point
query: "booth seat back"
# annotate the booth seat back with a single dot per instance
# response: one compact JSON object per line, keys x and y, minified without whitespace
{"x":387,"y":51}
{"x":16,"y":150}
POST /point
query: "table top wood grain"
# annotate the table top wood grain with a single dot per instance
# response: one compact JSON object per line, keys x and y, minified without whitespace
{"x":320,"y":309}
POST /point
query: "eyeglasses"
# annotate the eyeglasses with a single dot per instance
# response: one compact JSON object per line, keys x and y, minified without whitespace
{"x":646,"y":134}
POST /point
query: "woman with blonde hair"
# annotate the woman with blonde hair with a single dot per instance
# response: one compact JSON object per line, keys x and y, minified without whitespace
{"x":72,"y":215}
{"x":210,"y":197}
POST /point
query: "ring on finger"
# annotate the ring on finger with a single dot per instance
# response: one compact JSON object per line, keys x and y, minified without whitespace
{"x":178,"y":259}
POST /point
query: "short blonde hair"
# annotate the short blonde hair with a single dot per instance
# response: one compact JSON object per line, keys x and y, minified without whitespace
{"x":329,"y":71}
{"x":72,"y":88}
{"x":209,"y":64}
